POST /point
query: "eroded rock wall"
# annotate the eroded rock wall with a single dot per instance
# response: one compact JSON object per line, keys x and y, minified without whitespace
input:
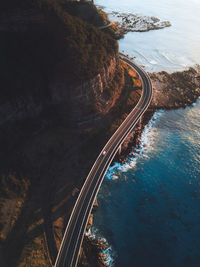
{"x":174,"y":90}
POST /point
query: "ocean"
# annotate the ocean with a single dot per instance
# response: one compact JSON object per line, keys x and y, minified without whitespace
{"x":149,"y":207}
{"x":170,"y":49}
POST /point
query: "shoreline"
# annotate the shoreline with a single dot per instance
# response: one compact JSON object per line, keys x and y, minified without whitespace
{"x":46,"y":157}
{"x":126,"y":161}
{"x":133,"y":141}
{"x":125,"y":22}
{"x":122,"y":163}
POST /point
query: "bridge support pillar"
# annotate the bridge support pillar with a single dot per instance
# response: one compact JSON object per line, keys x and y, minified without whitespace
{"x":120,"y":149}
{"x":140,"y":121}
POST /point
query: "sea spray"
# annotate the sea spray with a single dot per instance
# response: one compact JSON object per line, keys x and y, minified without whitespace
{"x":196,"y":102}
{"x":106,"y":249}
{"x":148,"y":137}
{"x":153,"y":211}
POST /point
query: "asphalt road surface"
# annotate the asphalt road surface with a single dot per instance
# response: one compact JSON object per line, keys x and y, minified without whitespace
{"x":74,"y":233}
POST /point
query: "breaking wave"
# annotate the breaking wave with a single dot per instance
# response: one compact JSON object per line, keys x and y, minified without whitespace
{"x":107,"y":250}
{"x":148,"y":138}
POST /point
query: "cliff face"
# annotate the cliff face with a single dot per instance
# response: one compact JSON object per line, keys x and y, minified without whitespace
{"x":42,"y":68}
{"x":56,"y":70}
{"x":85,"y":100}
{"x":95,"y":97}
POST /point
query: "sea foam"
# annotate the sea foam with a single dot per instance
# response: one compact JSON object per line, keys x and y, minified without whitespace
{"x":148,"y":137}
{"x":108,"y":252}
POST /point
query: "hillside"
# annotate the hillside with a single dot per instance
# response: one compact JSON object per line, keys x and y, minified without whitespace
{"x":60,"y":42}
{"x":63,"y":93}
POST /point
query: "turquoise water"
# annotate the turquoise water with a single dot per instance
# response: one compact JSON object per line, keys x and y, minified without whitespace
{"x":173,"y":48}
{"x":149,"y":207}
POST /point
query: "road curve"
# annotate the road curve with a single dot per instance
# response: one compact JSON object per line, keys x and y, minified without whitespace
{"x":74,"y":233}
{"x":105,"y":26}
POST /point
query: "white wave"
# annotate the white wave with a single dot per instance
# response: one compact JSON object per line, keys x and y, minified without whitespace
{"x":196,"y":103}
{"x":165,"y":56}
{"x":148,"y":137}
{"x":108,"y":252}
{"x":142,"y":56}
{"x":153,"y":62}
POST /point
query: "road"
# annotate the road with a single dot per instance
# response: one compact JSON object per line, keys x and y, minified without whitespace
{"x":106,"y":26}
{"x":74,"y":233}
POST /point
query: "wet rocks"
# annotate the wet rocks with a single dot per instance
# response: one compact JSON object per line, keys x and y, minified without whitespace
{"x":128,"y":22}
{"x":174,"y":90}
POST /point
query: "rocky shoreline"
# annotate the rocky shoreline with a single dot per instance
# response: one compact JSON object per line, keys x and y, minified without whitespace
{"x":171,"y":91}
{"x":177,"y":89}
{"x":53,"y":131}
{"x":136,"y":23}
{"x":128,"y":22}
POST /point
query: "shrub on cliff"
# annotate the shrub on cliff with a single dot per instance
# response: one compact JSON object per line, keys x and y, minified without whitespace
{"x":87,"y":49}
{"x":87,"y":11}
{"x":60,"y":42}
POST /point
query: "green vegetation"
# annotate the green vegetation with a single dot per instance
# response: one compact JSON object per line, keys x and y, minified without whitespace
{"x":84,"y":44}
{"x":111,"y":90}
{"x":87,"y":11}
{"x":58,"y":42}
{"x":40,"y":42}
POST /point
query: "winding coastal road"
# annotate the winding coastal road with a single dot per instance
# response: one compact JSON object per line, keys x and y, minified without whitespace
{"x":74,"y":233}
{"x":106,"y":26}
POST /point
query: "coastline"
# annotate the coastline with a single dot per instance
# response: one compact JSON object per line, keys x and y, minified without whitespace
{"x":48,"y":155}
{"x":170,"y":92}
{"x":179,"y":96}
{"x":122,"y":23}
{"x":123,"y":162}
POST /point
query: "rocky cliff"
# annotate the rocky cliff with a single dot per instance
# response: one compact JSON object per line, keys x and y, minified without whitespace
{"x":170,"y":91}
{"x":174,"y":90}
{"x":57,"y":72}
{"x":92,"y":98}
{"x":80,"y":102}
{"x":49,"y":57}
